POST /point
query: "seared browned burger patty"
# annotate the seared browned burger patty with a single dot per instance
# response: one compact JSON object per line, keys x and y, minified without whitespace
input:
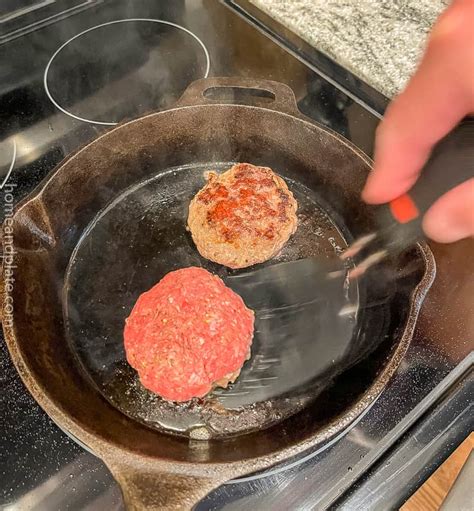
{"x":243,"y":216}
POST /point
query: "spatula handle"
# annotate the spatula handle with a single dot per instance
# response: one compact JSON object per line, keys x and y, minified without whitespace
{"x":450,"y":164}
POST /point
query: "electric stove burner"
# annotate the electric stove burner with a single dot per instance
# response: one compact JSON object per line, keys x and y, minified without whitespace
{"x":124,"y":68}
{"x":7,"y":162}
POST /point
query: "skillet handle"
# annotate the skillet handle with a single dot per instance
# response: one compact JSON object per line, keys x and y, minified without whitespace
{"x":242,"y":91}
{"x":146,"y":488}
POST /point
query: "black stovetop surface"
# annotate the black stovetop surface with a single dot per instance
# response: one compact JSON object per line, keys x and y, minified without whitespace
{"x":62,"y":83}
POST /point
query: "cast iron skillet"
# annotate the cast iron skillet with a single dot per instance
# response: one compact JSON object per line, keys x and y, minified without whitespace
{"x":110,"y":221}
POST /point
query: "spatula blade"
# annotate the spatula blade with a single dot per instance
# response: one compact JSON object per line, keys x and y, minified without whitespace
{"x":305,"y":318}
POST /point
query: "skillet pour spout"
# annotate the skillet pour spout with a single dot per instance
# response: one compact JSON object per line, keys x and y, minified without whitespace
{"x":110,"y":221}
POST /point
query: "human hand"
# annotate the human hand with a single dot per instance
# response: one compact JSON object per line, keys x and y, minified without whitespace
{"x":437,"y":97}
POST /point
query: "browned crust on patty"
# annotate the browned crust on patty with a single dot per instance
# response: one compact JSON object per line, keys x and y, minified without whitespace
{"x":243,"y":216}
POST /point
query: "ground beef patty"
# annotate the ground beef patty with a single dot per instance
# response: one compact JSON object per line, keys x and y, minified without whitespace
{"x":243,"y":216}
{"x":188,"y":334}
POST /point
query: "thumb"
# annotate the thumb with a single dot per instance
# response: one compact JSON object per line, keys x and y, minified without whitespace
{"x":451,"y":217}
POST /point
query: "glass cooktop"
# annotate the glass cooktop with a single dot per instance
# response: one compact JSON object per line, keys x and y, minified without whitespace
{"x":70,"y":70}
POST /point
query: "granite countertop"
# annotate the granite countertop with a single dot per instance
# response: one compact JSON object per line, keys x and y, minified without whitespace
{"x":380,"y":41}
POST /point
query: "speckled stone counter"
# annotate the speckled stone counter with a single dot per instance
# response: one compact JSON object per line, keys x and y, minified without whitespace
{"x":380,"y":41}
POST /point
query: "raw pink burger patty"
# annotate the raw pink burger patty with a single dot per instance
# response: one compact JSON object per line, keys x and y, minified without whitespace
{"x":188,"y":334}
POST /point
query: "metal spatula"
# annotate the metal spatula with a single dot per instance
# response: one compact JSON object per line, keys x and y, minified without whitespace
{"x":306,"y":310}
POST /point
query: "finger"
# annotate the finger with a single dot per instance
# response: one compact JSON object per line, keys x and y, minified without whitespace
{"x":451,"y":218}
{"x":438,"y":96}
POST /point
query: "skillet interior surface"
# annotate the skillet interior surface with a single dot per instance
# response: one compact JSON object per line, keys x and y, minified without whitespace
{"x":49,"y":226}
{"x":130,"y":246}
